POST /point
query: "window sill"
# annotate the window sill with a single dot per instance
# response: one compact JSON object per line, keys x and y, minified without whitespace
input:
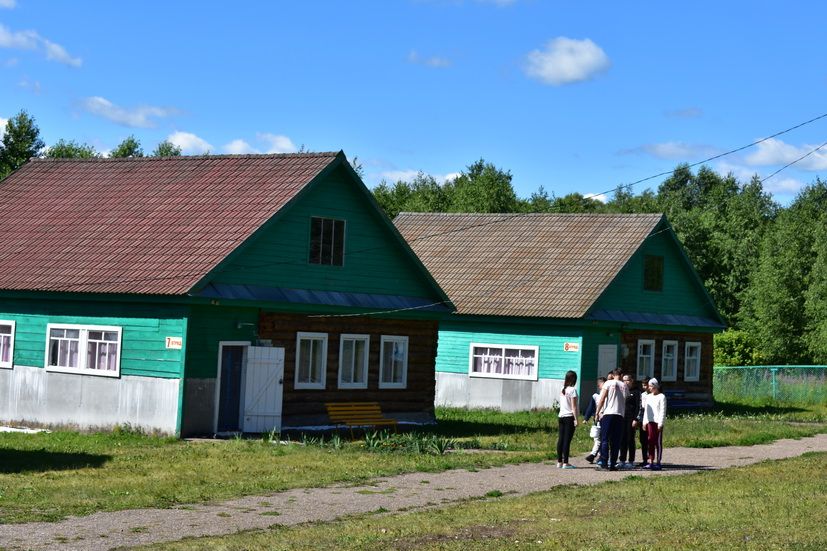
{"x":353,"y":386}
{"x":309,"y":386}
{"x":393,"y":385}
{"x":92,"y":372}
{"x":503,"y":377}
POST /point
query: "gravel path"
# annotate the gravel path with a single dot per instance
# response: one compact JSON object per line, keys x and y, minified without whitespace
{"x":404,"y":492}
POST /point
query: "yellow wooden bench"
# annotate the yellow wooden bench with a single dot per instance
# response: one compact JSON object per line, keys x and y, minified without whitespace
{"x":358,"y":414}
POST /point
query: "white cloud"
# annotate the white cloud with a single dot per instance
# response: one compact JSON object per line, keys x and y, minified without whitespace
{"x":137,"y":117}
{"x":31,"y":40}
{"x":8,"y":4}
{"x":277,"y":143}
{"x":239,"y":147}
{"x":11,"y":62}
{"x":777,"y":152}
{"x":56,"y":52}
{"x":566,"y":60}
{"x":783,"y":186}
{"x":675,"y":151}
{"x":3,"y":126}
{"x":602,"y":197}
{"x":685,"y":113}
{"x":189,"y":143}
{"x":438,"y":62}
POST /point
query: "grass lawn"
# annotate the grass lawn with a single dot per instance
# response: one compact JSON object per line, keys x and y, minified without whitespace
{"x":772,"y":505}
{"x":51,"y":476}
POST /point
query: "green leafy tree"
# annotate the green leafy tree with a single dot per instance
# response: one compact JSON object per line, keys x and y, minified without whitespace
{"x":815,"y":298}
{"x":21,"y":142}
{"x":483,"y":187}
{"x":777,"y":316}
{"x":165,"y":149}
{"x":70,"y":149}
{"x":130,"y":147}
{"x":577,"y":203}
{"x":733,"y":348}
{"x":392,"y":199}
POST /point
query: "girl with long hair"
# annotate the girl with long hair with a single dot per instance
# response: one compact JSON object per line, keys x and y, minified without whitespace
{"x":567,"y":420}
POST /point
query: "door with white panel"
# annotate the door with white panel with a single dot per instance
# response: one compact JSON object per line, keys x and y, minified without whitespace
{"x":606,"y":359}
{"x":263,"y":386}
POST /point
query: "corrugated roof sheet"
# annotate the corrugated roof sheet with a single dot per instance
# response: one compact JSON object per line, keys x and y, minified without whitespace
{"x":148,"y":226}
{"x":531,"y":265}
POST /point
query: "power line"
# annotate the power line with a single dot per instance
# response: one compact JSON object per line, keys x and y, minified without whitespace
{"x":724,"y":154}
{"x":794,"y":162}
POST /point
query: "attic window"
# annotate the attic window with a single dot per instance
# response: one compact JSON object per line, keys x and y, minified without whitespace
{"x":327,"y":241}
{"x":653,"y":273}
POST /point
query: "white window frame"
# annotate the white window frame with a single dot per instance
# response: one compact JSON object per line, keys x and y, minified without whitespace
{"x":531,"y":377}
{"x":651,"y":369}
{"x":310,"y":386}
{"x":10,"y":363}
{"x":393,"y":338}
{"x":354,"y":337}
{"x":674,"y":376}
{"x":83,"y":348}
{"x":697,"y":376}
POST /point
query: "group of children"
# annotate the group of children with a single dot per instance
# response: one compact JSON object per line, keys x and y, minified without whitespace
{"x":621,"y":411}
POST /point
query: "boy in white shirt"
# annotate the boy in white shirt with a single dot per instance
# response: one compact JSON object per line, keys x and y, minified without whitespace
{"x":654,"y":415}
{"x":611,"y":408}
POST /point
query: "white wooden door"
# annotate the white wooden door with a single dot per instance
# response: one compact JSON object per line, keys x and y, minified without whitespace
{"x":263,"y":385}
{"x":606,"y":359}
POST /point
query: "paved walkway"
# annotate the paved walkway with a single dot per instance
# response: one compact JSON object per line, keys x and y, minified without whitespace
{"x":404,"y":492}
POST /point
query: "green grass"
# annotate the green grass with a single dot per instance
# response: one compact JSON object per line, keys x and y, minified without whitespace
{"x":772,"y":505}
{"x":51,"y":476}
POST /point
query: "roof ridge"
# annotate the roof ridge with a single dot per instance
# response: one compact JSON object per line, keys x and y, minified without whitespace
{"x":536,"y":214}
{"x":187,"y":157}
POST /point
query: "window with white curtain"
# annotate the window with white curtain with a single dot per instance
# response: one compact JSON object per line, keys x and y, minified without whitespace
{"x":6,"y":344}
{"x":503,"y":361}
{"x":669,"y":361}
{"x":692,"y":362}
{"x":84,"y":349}
{"x":353,"y":361}
{"x":311,"y":360}
{"x":393,"y":362}
{"x":645,"y":359}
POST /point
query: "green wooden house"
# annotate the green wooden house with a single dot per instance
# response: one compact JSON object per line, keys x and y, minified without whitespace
{"x":537,"y":295}
{"x":200,"y":295}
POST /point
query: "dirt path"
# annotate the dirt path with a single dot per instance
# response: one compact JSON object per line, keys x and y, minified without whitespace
{"x":410,"y":491}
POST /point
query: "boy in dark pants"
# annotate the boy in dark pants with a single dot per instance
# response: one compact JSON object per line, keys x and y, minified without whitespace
{"x":610,"y":410}
{"x":630,"y":424}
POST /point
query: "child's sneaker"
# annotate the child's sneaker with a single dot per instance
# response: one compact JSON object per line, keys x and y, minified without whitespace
{"x":590,"y":458}
{"x":656,"y":467}
{"x":643,"y":464}
{"x":601,"y":465}
{"x":629,"y":465}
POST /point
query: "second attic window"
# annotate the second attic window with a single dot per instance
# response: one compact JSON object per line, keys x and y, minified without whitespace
{"x":327,"y":241}
{"x":653,"y":273}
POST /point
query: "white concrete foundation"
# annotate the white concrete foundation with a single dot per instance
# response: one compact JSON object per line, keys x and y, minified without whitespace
{"x":460,"y":390}
{"x":34,"y":395}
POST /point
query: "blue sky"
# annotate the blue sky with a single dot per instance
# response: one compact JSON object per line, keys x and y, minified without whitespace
{"x":569,"y":96}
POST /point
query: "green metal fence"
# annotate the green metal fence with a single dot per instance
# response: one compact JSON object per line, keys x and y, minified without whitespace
{"x":766,"y":384}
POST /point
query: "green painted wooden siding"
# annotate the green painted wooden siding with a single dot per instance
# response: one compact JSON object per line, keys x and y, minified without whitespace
{"x":455,"y":338}
{"x":681,"y":294}
{"x":210,"y":324}
{"x":143,"y":332}
{"x":374,"y":261}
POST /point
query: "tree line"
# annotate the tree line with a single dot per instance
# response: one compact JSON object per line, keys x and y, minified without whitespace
{"x":21,"y":142}
{"x":764,"y":265}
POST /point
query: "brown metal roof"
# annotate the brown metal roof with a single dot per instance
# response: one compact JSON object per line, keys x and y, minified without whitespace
{"x":532,"y":265}
{"x":149,"y":226}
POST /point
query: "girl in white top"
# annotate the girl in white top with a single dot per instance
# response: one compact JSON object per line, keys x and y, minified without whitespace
{"x":654,"y":415}
{"x":567,"y":420}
